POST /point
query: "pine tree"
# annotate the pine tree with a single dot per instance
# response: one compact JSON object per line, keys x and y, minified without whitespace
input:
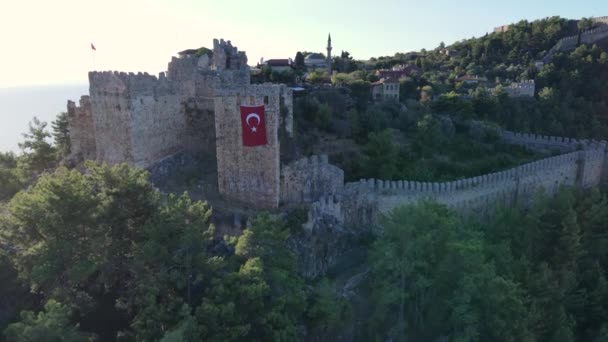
{"x":61,"y":134}
{"x":38,"y":153}
{"x":567,"y":252}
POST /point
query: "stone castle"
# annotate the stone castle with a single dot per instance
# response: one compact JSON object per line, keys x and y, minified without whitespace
{"x":148,"y":121}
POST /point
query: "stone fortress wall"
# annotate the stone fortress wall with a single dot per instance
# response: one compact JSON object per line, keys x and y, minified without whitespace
{"x":138,"y":117}
{"x":153,"y":122}
{"x":523,"y":88}
{"x":250,"y":174}
{"x":588,"y":37}
{"x":581,"y":163}
{"x":145,"y":120}
{"x":142,"y":119}
{"x":516,"y":89}
{"x":601,"y":20}
{"x":80,"y":120}
{"x":309,"y":179}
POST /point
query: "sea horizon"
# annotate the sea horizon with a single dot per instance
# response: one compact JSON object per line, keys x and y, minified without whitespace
{"x":21,"y":103}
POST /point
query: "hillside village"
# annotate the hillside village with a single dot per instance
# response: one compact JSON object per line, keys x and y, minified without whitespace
{"x":315,"y":175}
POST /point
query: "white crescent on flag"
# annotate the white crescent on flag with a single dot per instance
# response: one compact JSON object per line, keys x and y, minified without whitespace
{"x":253,"y":125}
{"x":252,"y":115}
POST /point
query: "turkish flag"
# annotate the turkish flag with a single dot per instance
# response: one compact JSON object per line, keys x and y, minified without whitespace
{"x":254,"y":125}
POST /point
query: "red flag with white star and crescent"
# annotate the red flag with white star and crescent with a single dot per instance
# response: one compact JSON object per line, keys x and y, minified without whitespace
{"x":253,"y":124}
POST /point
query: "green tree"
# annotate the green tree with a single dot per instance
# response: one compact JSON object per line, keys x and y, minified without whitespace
{"x":426,"y":94}
{"x":61,"y":134}
{"x":327,"y":312}
{"x":428,"y":135}
{"x":585,"y":24}
{"x":38,"y":154}
{"x":381,"y":156}
{"x":14,"y":294}
{"x":432,"y":279}
{"x":170,"y":270}
{"x":452,"y":103}
{"x":52,"y":324}
{"x":10,"y":180}
{"x":318,"y":77}
{"x":50,"y":228}
{"x":403,"y":291}
{"x":361,"y":92}
{"x":299,"y":60}
{"x":266,"y":240}
{"x":262,"y":298}
{"x":323,"y":117}
{"x":75,"y":235}
{"x":407,"y":89}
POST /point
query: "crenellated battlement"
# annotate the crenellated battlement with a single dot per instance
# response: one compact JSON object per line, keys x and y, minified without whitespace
{"x":549,"y":143}
{"x":600,"y":20}
{"x":382,"y":187}
{"x":312,"y":161}
{"x":537,"y":142}
{"x":308,"y":179}
{"x":141,"y":119}
{"x":83,"y":108}
{"x":365,"y":200}
{"x":588,"y":37}
{"x":324,"y":207}
{"x":128,"y":84}
{"x":82,"y":130}
{"x":228,"y":57}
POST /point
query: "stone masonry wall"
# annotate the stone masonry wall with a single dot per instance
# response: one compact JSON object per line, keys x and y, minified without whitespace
{"x":592,"y":164}
{"x":535,"y":142}
{"x":138,"y":119}
{"x":364,"y":201}
{"x":226,"y":56}
{"x":157,"y":128}
{"x":142,"y":119}
{"x":600,"y":20}
{"x":82,"y":129}
{"x":197,"y":79}
{"x":570,"y":43}
{"x":360,"y":204}
{"x":308,"y":179}
{"x":110,"y":104}
{"x":604,"y":179}
{"x":248,"y":174}
{"x":540,"y":143}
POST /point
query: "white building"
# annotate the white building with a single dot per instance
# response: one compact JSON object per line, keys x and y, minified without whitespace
{"x":385,"y":89}
{"x":315,"y":61}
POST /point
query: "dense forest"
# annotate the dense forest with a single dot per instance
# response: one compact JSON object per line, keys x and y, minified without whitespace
{"x":106,"y":257}
{"x":98,"y":253}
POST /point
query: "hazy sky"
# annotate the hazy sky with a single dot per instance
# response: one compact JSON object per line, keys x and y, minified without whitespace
{"x":48,"y":41}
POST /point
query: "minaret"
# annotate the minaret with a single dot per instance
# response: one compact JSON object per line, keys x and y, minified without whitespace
{"x":329,"y":53}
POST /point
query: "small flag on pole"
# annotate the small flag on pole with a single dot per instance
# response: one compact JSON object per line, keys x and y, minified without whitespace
{"x":93,"y":47}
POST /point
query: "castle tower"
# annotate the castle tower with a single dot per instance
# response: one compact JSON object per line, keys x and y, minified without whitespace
{"x":329,"y":53}
{"x":250,"y":175}
{"x":82,"y":129}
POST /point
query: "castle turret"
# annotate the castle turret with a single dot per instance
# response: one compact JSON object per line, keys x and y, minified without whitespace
{"x":329,"y":53}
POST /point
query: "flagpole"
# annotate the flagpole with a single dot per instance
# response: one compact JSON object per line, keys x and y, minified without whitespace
{"x":93,"y":49}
